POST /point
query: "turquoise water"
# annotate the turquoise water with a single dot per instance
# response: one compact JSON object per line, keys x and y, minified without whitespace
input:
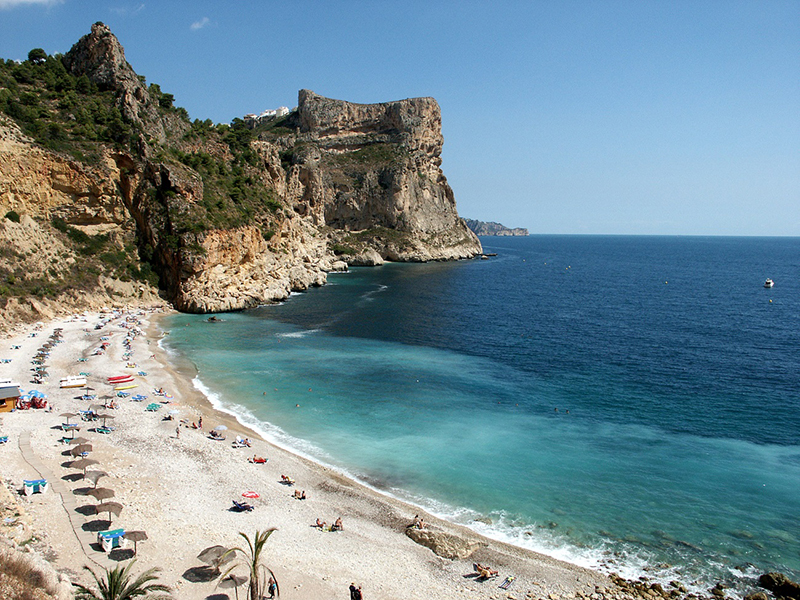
{"x":624,"y":403}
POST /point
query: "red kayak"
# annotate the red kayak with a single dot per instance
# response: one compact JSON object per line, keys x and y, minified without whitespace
{"x":120,"y":379}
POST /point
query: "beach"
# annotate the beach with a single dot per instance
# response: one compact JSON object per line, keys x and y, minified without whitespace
{"x":178,"y":484}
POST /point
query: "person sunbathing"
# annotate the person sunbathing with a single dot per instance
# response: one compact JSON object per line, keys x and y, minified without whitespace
{"x":484,"y":572}
{"x":258,"y":459}
{"x":337,"y":525}
{"x":320,"y":524}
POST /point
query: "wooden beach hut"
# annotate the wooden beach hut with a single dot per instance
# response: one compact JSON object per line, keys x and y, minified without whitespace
{"x":9,"y":394}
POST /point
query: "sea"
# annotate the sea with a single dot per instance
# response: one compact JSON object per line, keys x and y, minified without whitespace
{"x":629,"y":404}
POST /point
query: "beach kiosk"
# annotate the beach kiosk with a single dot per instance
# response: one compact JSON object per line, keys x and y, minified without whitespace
{"x":113,"y":538}
{"x":9,"y":394}
{"x":34,"y":486}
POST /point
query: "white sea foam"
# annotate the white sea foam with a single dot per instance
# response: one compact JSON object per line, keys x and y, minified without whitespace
{"x":297,"y":334}
{"x":626,"y":560}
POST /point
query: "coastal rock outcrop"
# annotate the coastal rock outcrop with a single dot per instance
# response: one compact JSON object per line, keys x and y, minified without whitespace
{"x":780,"y":585}
{"x":492,"y":228}
{"x":372,"y":173}
{"x":444,"y":544}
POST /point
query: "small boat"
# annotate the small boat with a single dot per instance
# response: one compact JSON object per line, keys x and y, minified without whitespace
{"x":125,"y":387}
{"x":120,"y":379}
{"x":215,"y":319}
{"x":73,"y":381}
{"x":769,"y":283}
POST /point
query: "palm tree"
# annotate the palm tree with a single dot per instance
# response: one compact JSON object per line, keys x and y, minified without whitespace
{"x":117,"y":584}
{"x":250,"y":558}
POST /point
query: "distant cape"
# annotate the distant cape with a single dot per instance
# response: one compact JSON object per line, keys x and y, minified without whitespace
{"x":491,"y":228}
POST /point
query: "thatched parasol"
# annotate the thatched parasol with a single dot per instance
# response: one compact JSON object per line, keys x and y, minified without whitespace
{"x":135,"y":536}
{"x":93,"y":476}
{"x":109,"y":507}
{"x":67,"y":415}
{"x":215,"y":556}
{"x":104,"y":417}
{"x":80,"y":449}
{"x":101,"y":493}
{"x":82,"y":463}
{"x":79,"y":440}
{"x":233,"y":581}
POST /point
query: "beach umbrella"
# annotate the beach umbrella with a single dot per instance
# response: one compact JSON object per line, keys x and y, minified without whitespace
{"x":233,"y":581}
{"x":101,"y":494}
{"x":79,"y":440}
{"x":82,"y":463}
{"x":215,"y":556}
{"x":94,"y":476}
{"x":104,"y":417}
{"x":135,"y":536}
{"x":220,"y":428}
{"x":68,"y":416}
{"x":95,"y":407}
{"x":252,"y":495}
{"x":109,"y":507}
{"x":80,"y":449}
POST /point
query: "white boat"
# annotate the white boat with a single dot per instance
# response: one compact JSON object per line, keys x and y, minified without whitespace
{"x":769,"y":283}
{"x":73,"y":381}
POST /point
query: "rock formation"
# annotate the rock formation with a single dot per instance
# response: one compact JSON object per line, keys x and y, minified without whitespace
{"x":780,"y":585}
{"x":444,"y":544}
{"x":375,"y":170}
{"x":492,"y":228}
{"x":231,"y":218}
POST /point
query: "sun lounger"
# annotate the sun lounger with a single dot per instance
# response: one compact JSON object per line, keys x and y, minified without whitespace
{"x":105,"y":430}
{"x":113,"y":538}
{"x":34,"y":486}
{"x":3,"y":439}
{"x":241,"y":507}
{"x":153,"y":407}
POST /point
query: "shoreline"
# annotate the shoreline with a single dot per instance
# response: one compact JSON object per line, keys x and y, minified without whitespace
{"x":373,"y":548}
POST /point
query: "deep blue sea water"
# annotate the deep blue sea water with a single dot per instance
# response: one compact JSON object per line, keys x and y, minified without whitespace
{"x":625,"y":403}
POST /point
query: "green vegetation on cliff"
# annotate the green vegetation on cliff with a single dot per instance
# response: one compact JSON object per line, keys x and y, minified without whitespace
{"x":61,"y":112}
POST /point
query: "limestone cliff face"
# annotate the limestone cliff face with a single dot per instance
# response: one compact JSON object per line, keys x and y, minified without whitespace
{"x":42,"y":186}
{"x":344,"y":183}
{"x":376,"y":168}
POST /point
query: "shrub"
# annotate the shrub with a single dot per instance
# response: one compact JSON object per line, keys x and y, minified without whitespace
{"x":12,"y":215}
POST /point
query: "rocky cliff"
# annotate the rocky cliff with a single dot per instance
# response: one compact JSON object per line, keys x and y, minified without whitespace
{"x":492,"y":228}
{"x":227,"y":217}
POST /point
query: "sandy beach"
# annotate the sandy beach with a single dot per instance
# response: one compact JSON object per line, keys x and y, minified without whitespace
{"x":177,"y":484}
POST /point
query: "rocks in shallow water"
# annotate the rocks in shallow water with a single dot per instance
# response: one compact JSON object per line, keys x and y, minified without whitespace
{"x":757,"y":596}
{"x":444,"y":544}
{"x":718,"y":591}
{"x":780,"y":585}
{"x":367,"y":258}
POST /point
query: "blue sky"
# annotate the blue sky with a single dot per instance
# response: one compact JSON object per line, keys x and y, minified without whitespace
{"x":613,"y":117}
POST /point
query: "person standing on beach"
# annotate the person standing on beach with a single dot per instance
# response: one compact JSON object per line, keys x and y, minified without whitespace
{"x":353,"y":591}
{"x":178,"y":432}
